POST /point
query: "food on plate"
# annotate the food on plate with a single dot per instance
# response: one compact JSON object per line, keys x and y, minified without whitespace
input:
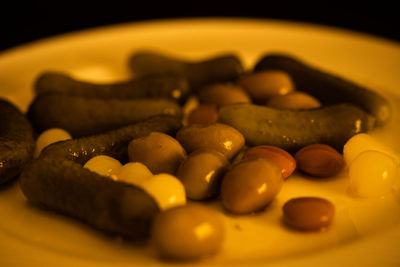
{"x":201,"y":173}
{"x":364,"y":142}
{"x":250,"y":185}
{"x":203,"y":114}
{"x":319,"y":160}
{"x":263,"y":85}
{"x":48,"y":137}
{"x":151,"y":86}
{"x":165,"y":188}
{"x":17,"y":141}
{"x":132,"y":172}
{"x":160,"y":152}
{"x":58,"y":181}
{"x":86,"y":116}
{"x":308,"y":213}
{"x":220,"y":68}
{"x":326,"y":87}
{"x":220,"y":137}
{"x":294,"y":129}
{"x":221,"y":94}
{"x":284,"y":159}
{"x":372,"y":174}
{"x":245,"y":134}
{"x":113,"y":207}
{"x":189,"y":232}
{"x":103,"y":165}
{"x":294,"y":100}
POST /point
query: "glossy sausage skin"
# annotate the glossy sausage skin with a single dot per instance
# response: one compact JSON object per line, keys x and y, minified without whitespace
{"x":294,"y":129}
{"x":16,"y":141}
{"x":198,"y":73}
{"x":82,"y":116}
{"x":152,"y":86}
{"x":328,"y":88}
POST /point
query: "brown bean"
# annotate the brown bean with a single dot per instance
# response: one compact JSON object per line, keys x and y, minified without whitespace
{"x":308,"y":213}
{"x":251,"y":185}
{"x":294,"y":100}
{"x":187,"y":232}
{"x":217,"y":136}
{"x":221,"y":94}
{"x":319,"y":160}
{"x":265,"y":84}
{"x":201,"y":173}
{"x":160,"y":152}
{"x":204,"y":113}
{"x":278,"y":155}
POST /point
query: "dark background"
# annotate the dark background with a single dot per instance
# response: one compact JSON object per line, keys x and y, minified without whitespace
{"x":22,"y":22}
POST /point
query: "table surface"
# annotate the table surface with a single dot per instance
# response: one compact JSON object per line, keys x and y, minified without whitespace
{"x":29,"y":21}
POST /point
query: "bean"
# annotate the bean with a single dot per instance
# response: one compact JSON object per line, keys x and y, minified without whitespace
{"x":327,"y":87}
{"x":294,"y":100}
{"x":278,"y":155}
{"x":48,"y":137}
{"x":160,"y":152}
{"x":189,"y":232}
{"x":250,"y":185}
{"x":308,"y":213}
{"x":201,"y":173}
{"x":364,"y":142}
{"x":103,"y":165}
{"x":217,"y":136}
{"x":263,"y":85}
{"x":319,"y":160}
{"x":372,"y":174}
{"x":203,"y":114}
{"x":223,"y":94}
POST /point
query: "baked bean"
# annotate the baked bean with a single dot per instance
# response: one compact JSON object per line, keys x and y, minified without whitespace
{"x":251,"y":185}
{"x":201,"y":173}
{"x":160,"y":152}
{"x":278,"y":155}
{"x":221,"y":94}
{"x":187,"y":232}
{"x":204,"y":113}
{"x":217,"y":136}
{"x":308,"y":213}
{"x":319,"y":160}
{"x":265,"y":84}
{"x":294,"y":100}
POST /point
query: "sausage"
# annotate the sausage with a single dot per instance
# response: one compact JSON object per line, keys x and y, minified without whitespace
{"x":328,"y":88}
{"x":57,"y":181}
{"x":16,"y":141}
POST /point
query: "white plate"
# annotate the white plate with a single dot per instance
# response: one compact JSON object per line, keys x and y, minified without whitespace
{"x":365,"y":232}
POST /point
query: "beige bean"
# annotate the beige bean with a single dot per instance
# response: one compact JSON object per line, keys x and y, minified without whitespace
{"x":319,"y":160}
{"x":251,"y":185}
{"x":216,"y":136}
{"x":308,"y":213}
{"x":294,"y":100}
{"x":201,"y":173}
{"x":187,"y":232}
{"x":221,"y":94}
{"x":160,"y":152}
{"x":278,"y":155}
{"x":265,"y":84}
{"x":204,"y":113}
